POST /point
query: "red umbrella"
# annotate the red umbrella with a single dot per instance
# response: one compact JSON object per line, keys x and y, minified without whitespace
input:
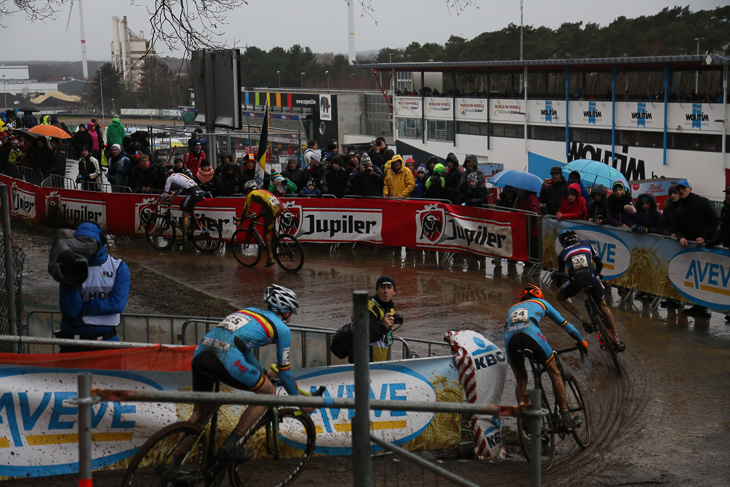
{"x":50,"y":131}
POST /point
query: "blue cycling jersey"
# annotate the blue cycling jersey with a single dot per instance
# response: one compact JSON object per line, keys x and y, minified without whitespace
{"x":579,"y":258}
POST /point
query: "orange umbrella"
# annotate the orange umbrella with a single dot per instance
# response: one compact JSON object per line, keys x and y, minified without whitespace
{"x":50,"y":131}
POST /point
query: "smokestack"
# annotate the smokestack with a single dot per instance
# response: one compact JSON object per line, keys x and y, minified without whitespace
{"x":351,"y":30}
{"x":116,"y":48}
{"x":125,"y":46}
{"x":84,"y":63}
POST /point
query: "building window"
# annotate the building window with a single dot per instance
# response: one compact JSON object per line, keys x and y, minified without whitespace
{"x":697,"y":142}
{"x":589,"y":136}
{"x":440,"y":130}
{"x":404,"y":82}
{"x":410,"y":128}
{"x":507,"y":130}
{"x":472,"y":128}
{"x":541,"y":132}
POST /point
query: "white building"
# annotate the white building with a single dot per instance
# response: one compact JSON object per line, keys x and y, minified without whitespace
{"x":128,"y":49}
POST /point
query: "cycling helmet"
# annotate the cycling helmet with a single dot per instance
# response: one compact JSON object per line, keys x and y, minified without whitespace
{"x":281,"y":299}
{"x":567,"y":237}
{"x":529,"y":291}
{"x":250,"y":185}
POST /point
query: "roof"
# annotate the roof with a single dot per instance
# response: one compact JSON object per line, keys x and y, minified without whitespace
{"x":628,"y":63}
{"x":58,"y":96}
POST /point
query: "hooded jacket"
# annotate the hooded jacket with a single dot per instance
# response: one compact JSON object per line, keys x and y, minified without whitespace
{"x":616,"y":215}
{"x":696,"y":218}
{"x":551,"y":195}
{"x":597,"y":209}
{"x":575,"y":210}
{"x":115,"y":131}
{"x":452,"y":178}
{"x":95,"y":307}
{"x":399,"y":184}
{"x":647,"y":221}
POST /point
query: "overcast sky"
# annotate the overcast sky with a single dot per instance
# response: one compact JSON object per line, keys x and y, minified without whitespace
{"x":319,"y":24}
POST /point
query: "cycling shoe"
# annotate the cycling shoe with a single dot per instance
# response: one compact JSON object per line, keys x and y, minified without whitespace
{"x":620,"y":347}
{"x":588,"y":327}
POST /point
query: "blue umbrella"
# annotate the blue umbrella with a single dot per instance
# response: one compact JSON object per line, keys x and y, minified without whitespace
{"x":595,"y":172}
{"x":517,"y":179}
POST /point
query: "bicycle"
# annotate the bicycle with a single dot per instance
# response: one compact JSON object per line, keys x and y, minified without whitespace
{"x":161,"y":228}
{"x":282,"y":440}
{"x":551,"y":424}
{"x":598,"y":319}
{"x":248,"y":244}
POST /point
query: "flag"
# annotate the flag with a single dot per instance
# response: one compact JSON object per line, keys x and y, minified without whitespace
{"x":263,"y":147}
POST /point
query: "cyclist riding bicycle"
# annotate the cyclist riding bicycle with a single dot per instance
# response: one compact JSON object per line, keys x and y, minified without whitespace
{"x":580,"y":267}
{"x":178,"y":182}
{"x":226,"y":354}
{"x":270,"y":208}
{"x":522,"y":331}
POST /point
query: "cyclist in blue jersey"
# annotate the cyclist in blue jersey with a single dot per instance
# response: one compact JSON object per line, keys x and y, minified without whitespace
{"x":580,"y":267}
{"x":226,"y":354}
{"x":522,"y":331}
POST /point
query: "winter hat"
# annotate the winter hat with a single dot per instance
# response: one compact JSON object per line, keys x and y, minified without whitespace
{"x":384,"y":280}
{"x":618,"y":184}
{"x":117,"y":147}
{"x":316,"y":155}
{"x":421,"y":168}
{"x":365,"y":159}
{"x":439,"y":168}
{"x":411,"y":162}
{"x":472,"y":177}
{"x":115,"y":117}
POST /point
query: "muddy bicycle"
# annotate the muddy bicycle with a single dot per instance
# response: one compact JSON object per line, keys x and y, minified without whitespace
{"x":605,"y":336}
{"x":161,"y":229}
{"x":282,"y":440}
{"x":248,"y":245}
{"x":551,"y":424}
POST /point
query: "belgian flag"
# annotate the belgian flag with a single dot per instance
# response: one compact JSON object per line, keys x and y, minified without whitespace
{"x":263,"y":148}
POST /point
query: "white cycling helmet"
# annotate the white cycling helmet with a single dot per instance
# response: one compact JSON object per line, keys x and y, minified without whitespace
{"x":281,"y":299}
{"x":250,"y":185}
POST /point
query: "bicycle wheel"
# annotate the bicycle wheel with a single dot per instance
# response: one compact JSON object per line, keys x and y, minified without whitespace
{"x":578,"y":408}
{"x":206,"y":236}
{"x":606,"y":337}
{"x":277,"y":461}
{"x":152,"y":464}
{"x":245,"y":247}
{"x":160,"y":231}
{"x":547,"y":437}
{"x":288,"y":253}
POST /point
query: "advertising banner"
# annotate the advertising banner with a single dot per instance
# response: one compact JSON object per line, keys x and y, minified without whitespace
{"x":471,"y":109}
{"x":507,"y":110}
{"x":650,"y":263}
{"x":408,"y":107}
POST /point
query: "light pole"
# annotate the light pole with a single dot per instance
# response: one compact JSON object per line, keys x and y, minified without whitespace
{"x":327,"y":73}
{"x":5,"y":93}
{"x":278,"y":75}
{"x":114,"y":110}
{"x":697,"y":73}
{"x":302,"y":79}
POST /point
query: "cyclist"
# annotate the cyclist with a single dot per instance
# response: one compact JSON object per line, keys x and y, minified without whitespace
{"x":270,"y":208}
{"x":580,"y":267}
{"x":178,"y":182}
{"x":522,"y":331}
{"x":226,"y":354}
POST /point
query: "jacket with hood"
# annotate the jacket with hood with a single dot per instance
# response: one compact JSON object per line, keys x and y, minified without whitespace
{"x":575,"y":210}
{"x":97,"y":139}
{"x":115,"y":132}
{"x":367,"y":183}
{"x":723,"y":235}
{"x":119,"y":168}
{"x":452,"y":178}
{"x":399,"y":184}
{"x":616,"y":214}
{"x":551,"y":195}
{"x":669,"y":217}
{"x":94,"y":308}
{"x":696,"y":218}
{"x":81,"y":138}
{"x":597,"y":209}
{"x":647,"y":221}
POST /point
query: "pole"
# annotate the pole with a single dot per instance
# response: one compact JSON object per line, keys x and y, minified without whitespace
{"x":101,"y":93}
{"x":9,"y":267}
{"x":361,"y":421}
{"x":5,"y":93}
{"x":697,"y":72}
{"x":210,"y":110}
{"x":84,"y":405}
{"x":535,"y":444}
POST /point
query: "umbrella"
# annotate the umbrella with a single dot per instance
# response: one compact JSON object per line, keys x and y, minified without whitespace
{"x":26,"y":132}
{"x":50,"y":131}
{"x":517,"y":179}
{"x":595,"y":172}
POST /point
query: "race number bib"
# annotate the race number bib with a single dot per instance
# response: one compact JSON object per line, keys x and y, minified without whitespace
{"x":579,"y":262}
{"x":520,"y":315}
{"x":274,"y":202}
{"x":234,"y":321}
{"x":285,"y":357}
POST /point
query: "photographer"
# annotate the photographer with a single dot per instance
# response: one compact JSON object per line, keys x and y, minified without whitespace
{"x":92,"y":309}
{"x":382,"y":319}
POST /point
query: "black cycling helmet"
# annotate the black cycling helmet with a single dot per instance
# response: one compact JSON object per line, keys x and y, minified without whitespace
{"x":567,"y":237}
{"x":530,"y":291}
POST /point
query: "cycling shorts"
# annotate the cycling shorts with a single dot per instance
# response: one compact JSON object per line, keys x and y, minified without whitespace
{"x":527,"y":338}
{"x":192,"y":197}
{"x":268,"y":217}
{"x":573,"y":286}
{"x":234,"y":370}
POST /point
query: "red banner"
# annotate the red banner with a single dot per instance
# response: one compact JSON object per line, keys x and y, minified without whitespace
{"x":409,"y":223}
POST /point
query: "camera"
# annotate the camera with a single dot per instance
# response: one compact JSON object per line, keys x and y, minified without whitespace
{"x":68,"y":262}
{"x":397,"y":318}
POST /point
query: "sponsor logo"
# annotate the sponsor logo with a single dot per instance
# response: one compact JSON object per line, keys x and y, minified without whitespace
{"x":641,"y":117}
{"x":387,"y":382}
{"x":697,"y":118}
{"x":341,"y":224}
{"x":702,"y":277}
{"x":39,"y":428}
{"x":471,"y":108}
{"x":486,"y":355}
{"x":548,"y":113}
{"x":405,"y":105}
{"x":630,"y":167}
{"x":507,"y":109}
{"x":439,"y":105}
{"x":614,"y":254}
{"x":22,"y":202}
{"x":290,"y":218}
{"x":74,"y":211}
{"x":592,"y":114}
{"x":325,"y":107}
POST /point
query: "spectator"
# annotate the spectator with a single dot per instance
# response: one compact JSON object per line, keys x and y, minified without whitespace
{"x":93,"y":310}
{"x":141,"y":142}
{"x":696,"y":218}
{"x":178,"y":166}
{"x":597,"y":208}
{"x":15,"y":155}
{"x":527,"y":201}
{"x":332,"y":150}
{"x":281,"y":186}
{"x":379,"y":152}
{"x":249,"y":173}
{"x":159,"y":178}
{"x":620,"y":208}
{"x":436,"y":184}
{"x":227,"y":182}
{"x":432,"y":161}
{"x":315,"y":170}
{"x":411,"y":166}
{"x":452,"y":178}
{"x":89,"y":171}
{"x":335,"y":179}
{"x":574,"y":177}
{"x":470,"y":167}
{"x":420,"y":182}
{"x":367,"y":179}
{"x":352,"y":161}
{"x":553,"y":190}
{"x":29,"y":120}
{"x":206,"y":177}
{"x":310,"y":190}
{"x":399,"y":182}
{"x":4,"y":151}
{"x":507,"y":198}
{"x":294,"y":173}
{"x":119,"y":167}
{"x":58,"y":158}
{"x":647,"y":219}
{"x":194,"y":137}
{"x":573,"y":206}
{"x":38,"y":156}
{"x":142,"y":176}
{"x":97,"y":140}
{"x":81,"y":138}
{"x":722,"y":237}
{"x":193,"y":157}
{"x":115,"y":132}
{"x":475,"y":193}
{"x":669,"y":215}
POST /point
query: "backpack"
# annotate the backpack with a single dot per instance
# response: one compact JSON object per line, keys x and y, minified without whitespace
{"x":341,"y":344}
{"x":434,"y":187}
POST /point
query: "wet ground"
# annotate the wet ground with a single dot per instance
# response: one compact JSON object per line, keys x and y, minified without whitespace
{"x":664,"y":421}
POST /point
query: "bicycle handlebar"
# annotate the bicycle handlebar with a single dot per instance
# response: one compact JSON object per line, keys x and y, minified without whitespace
{"x":319,"y":392}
